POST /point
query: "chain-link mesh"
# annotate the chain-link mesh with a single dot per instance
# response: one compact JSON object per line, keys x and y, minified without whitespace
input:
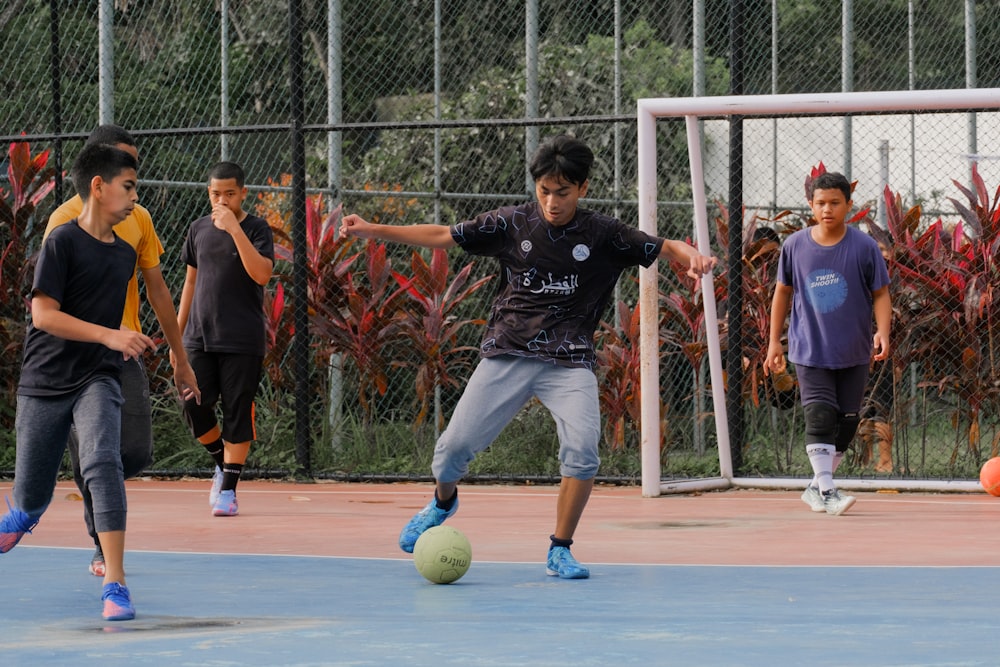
{"x":415,"y":112}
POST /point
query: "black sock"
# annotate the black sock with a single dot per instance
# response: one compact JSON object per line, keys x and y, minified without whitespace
{"x":215,"y":450}
{"x":556,"y":542}
{"x":230,"y":475}
{"x":445,"y":505}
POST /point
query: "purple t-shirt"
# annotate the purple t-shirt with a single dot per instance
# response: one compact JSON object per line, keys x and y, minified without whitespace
{"x":831,"y":321}
{"x":555,"y":282}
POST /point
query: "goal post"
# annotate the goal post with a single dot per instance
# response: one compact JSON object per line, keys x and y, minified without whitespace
{"x":692,"y":110}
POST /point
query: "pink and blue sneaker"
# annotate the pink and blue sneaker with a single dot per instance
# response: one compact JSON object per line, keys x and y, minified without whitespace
{"x":226,"y":504}
{"x":13,"y":526}
{"x":117,"y":603}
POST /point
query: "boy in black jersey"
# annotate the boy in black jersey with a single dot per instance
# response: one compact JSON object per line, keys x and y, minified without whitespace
{"x":229,"y":255}
{"x":73,"y":355}
{"x":559,"y":264}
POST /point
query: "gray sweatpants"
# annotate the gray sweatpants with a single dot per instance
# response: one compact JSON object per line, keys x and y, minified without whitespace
{"x":136,"y":441}
{"x":496,"y":392}
{"x":43,"y":424}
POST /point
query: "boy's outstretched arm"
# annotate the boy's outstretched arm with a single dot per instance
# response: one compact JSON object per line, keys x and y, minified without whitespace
{"x":682,"y":253}
{"x":427,"y":236}
{"x":774,"y":360}
{"x":882,"y":307}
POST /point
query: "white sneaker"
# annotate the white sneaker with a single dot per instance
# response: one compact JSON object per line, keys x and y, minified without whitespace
{"x":836,"y":504}
{"x":213,"y":495}
{"x":814,"y":499}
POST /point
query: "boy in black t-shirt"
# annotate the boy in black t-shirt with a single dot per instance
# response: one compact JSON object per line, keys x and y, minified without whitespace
{"x":559,"y":264}
{"x":229,"y":255}
{"x":73,"y":355}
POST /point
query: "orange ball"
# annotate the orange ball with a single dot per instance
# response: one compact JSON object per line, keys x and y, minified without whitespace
{"x":989,"y":476}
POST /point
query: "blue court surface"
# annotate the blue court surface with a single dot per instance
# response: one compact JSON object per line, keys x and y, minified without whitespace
{"x":244,"y":610}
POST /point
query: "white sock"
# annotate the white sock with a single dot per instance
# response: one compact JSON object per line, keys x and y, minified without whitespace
{"x":837,"y":458}
{"x":821,"y":457}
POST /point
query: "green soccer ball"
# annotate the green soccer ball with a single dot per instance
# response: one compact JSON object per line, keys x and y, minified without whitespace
{"x":442,"y":554}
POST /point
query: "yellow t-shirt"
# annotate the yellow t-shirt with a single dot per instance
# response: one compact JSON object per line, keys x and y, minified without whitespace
{"x":136,"y":230}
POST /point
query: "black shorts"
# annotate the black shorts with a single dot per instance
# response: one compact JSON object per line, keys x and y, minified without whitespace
{"x":843,"y":388}
{"x":231,"y":379}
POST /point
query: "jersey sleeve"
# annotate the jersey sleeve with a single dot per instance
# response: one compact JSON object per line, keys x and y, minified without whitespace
{"x":263,"y":239}
{"x":880,"y":272}
{"x":149,"y":248}
{"x":784,"y":275}
{"x":50,"y":271}
{"x":634,"y":246}
{"x":189,"y":254}
{"x":486,"y":234}
{"x":71,"y":208}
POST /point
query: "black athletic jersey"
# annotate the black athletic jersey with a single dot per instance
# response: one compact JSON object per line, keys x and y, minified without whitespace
{"x":227,"y":310}
{"x":88,"y":278}
{"x":555,"y":282}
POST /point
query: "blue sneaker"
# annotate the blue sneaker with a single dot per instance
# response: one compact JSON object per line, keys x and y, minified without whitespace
{"x":213,"y":495}
{"x":117,"y":603}
{"x":13,"y":526}
{"x":562,"y":564}
{"x":428,"y":517}
{"x":226,"y":504}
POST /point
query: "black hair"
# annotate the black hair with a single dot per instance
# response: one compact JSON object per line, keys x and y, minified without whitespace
{"x":832,"y":180}
{"x":223,"y":171}
{"x":563,"y":156}
{"x":112,"y":135}
{"x":99,"y":160}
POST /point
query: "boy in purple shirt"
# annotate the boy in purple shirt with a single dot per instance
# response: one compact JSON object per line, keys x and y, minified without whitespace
{"x":834,"y":278}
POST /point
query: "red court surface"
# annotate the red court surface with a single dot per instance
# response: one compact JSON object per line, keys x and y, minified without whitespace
{"x":511,"y":523}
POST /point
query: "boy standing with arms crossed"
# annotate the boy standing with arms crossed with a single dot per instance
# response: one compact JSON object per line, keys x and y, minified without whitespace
{"x":834,"y":278}
{"x":70,"y":373}
{"x":229,"y":255}
{"x":558,"y":267}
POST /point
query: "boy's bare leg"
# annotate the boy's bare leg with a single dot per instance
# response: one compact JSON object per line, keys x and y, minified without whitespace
{"x":237,"y":452}
{"x":573,"y":496}
{"x":113,"y":546}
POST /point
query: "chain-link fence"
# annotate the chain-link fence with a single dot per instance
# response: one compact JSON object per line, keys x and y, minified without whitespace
{"x":426,"y":112}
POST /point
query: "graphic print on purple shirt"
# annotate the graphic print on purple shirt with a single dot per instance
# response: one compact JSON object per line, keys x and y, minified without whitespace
{"x":826,"y":290}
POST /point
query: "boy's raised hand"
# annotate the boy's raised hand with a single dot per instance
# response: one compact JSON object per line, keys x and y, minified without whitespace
{"x":223,"y":218}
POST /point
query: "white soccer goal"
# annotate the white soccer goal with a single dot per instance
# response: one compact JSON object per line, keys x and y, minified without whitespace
{"x":797,"y":110}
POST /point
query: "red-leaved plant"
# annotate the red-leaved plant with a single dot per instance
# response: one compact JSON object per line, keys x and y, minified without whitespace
{"x":365,"y":323}
{"x":946,"y":308}
{"x":30,"y":181}
{"x":433,"y":326}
